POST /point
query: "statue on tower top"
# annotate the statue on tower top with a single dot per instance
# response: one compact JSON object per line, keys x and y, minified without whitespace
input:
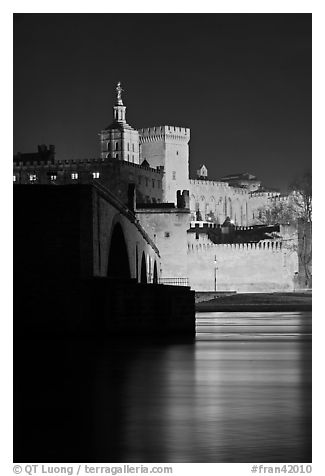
{"x":119,"y":91}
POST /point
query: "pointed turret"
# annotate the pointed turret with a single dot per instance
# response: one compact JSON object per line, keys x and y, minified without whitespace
{"x":119,"y":140}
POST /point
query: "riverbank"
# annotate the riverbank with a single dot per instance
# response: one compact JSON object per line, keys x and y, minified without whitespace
{"x":258,"y":302}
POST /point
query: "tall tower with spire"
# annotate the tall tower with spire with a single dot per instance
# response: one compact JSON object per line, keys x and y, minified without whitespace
{"x":119,"y":140}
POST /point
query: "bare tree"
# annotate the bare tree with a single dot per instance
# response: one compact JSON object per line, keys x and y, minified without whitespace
{"x":302,"y":194}
{"x":301,"y":191}
{"x":278,"y":211}
{"x":295,"y":209}
{"x":296,"y":206}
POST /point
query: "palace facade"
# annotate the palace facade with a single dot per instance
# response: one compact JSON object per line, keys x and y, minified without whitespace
{"x":156,"y":160}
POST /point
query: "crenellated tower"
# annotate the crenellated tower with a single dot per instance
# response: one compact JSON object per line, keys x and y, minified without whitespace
{"x":119,"y":140}
{"x":167,"y":147}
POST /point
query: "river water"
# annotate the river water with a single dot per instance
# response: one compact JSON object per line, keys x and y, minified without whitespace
{"x":240,"y":393}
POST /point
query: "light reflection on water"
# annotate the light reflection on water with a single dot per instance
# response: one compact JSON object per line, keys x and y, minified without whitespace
{"x":221,"y":399}
{"x":240,"y":393}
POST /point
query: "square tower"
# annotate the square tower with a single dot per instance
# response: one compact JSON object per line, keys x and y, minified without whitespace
{"x":167,"y":147}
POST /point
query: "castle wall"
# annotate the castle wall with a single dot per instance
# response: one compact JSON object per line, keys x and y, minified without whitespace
{"x":267,"y":266}
{"x":113,"y":174}
{"x":168,"y":231}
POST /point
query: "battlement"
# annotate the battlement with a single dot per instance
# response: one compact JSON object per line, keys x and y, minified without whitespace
{"x":80,"y":162}
{"x":224,"y":186}
{"x":265,"y":245}
{"x":214,"y":183}
{"x":239,"y":190}
{"x":201,"y":224}
{"x":42,"y":163}
{"x":156,"y":133}
{"x":124,"y":163}
{"x":264,"y":194}
{"x":279,"y":198}
{"x":231,"y":234}
{"x":34,"y":163}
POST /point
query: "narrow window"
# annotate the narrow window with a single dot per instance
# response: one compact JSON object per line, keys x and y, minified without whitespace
{"x":116,"y":146}
{"x":174,"y":175}
{"x":132,"y":158}
{"x":95,"y":175}
{"x":14,"y":178}
{"x":146,"y":181}
{"x":132,"y":147}
{"x":153,"y":183}
{"x":116,"y":156}
{"x":128,"y":146}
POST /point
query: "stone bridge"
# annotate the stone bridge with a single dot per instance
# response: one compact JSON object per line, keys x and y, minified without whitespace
{"x":80,"y":231}
{"x":84,"y":265}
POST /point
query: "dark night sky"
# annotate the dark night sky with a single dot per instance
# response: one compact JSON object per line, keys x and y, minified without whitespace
{"x":242,"y":83}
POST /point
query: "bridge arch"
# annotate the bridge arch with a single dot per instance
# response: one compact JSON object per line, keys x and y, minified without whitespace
{"x":143,"y":276}
{"x":148,"y":269}
{"x":118,"y":258}
{"x":155,"y":274}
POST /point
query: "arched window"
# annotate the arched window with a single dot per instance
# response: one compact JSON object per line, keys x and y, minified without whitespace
{"x":229,"y":207}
